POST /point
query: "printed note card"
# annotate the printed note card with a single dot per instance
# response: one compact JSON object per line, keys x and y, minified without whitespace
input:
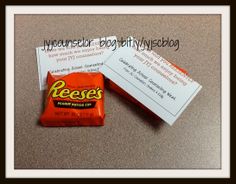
{"x":152,"y":80}
{"x":65,"y":60}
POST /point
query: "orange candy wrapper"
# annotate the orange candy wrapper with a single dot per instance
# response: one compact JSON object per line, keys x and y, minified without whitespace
{"x":76,"y":99}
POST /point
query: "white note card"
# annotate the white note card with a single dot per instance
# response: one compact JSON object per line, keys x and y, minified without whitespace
{"x":65,"y":60}
{"x":152,"y":80}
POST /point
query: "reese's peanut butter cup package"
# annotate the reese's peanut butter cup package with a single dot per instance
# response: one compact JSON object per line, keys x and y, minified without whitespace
{"x":76,"y":99}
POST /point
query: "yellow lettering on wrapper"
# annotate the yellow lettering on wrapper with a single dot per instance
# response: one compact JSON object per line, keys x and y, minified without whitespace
{"x":57,"y":90}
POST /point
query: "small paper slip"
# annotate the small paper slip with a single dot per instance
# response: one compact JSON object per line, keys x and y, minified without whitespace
{"x":152,"y":80}
{"x":65,"y":60}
